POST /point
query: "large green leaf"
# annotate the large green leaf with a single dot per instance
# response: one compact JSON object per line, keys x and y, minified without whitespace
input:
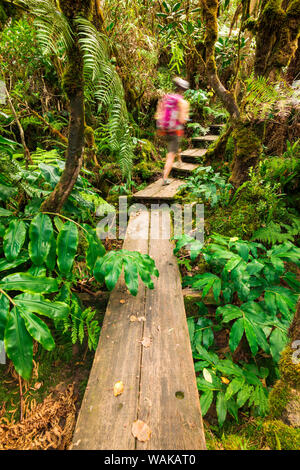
{"x":251,"y":336}
{"x":51,"y":258}
{"x":4,"y":309}
{"x":221,"y":407}
{"x":6,"y":265}
{"x":67,"y":242}
{"x":278,"y":340}
{"x":37,"y":329}
{"x":28,"y":283}
{"x":40,"y":234}
{"x":131,"y":277}
{"x":206,"y":399}
{"x":236,"y":334}
{"x":95,"y":248}
{"x":18,"y":343}
{"x":14,"y":239}
{"x":38,"y":304}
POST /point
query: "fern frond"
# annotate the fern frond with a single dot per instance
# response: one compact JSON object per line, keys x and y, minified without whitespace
{"x":272,"y":234}
{"x":53,"y":28}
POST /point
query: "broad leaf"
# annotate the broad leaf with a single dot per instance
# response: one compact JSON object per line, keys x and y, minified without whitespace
{"x":37,"y":329}
{"x":40,"y":234}
{"x":67,"y":242}
{"x":14,"y":239}
{"x":18,"y":343}
{"x":38,"y":304}
{"x":4,"y":309}
{"x":27,"y":283}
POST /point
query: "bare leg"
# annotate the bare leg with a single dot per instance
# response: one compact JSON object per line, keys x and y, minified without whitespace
{"x":169,"y":163}
{"x":179,"y":156}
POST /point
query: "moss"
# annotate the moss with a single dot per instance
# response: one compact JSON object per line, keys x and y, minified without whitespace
{"x":279,"y":436}
{"x":278,"y":399}
{"x":289,"y":371}
{"x":248,"y":148}
{"x":240,"y":219}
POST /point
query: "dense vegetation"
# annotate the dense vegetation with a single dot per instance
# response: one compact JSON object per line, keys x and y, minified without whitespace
{"x":81,"y":82}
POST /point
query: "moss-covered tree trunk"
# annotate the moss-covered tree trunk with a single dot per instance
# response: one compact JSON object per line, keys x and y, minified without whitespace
{"x":276,"y":32}
{"x":73,"y":84}
{"x":282,"y":429}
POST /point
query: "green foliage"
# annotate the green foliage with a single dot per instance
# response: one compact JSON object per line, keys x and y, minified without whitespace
{"x":134,"y":263}
{"x":256,"y":297}
{"x":31,"y":252}
{"x":232,"y":386}
{"x":206,"y":185}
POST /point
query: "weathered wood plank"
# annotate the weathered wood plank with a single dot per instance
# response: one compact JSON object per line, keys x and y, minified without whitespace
{"x":205,"y":138}
{"x":169,"y":400}
{"x":105,"y":421}
{"x":193,"y":152}
{"x":157,"y":191}
{"x":184,"y":167}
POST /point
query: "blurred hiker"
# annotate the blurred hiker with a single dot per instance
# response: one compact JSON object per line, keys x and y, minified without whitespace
{"x":171,"y":115}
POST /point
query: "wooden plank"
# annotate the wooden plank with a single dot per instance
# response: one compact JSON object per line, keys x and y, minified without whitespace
{"x":157,"y":191}
{"x":184,"y":167}
{"x":105,"y":421}
{"x":193,"y":152}
{"x":169,"y":400}
{"x":206,"y":138}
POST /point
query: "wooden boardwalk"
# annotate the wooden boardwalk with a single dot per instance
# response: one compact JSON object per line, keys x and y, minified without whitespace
{"x":150,"y":355}
{"x":145,"y":344}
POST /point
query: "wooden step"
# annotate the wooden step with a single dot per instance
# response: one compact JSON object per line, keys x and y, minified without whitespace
{"x":184,"y":167}
{"x":204,"y":140}
{"x":192,"y":155}
{"x":216,"y":128}
{"x":156,"y":192}
{"x":152,"y":358}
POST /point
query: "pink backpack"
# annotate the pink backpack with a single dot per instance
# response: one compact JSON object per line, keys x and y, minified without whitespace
{"x":169,"y":113}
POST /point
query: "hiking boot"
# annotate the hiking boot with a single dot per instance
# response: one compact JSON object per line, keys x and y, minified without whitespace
{"x":165,"y":182}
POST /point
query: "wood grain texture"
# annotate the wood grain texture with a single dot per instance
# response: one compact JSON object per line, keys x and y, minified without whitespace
{"x":205,"y":138}
{"x":159,"y":378}
{"x":169,"y":400}
{"x":104,"y":420}
{"x":184,"y":167}
{"x":156,"y":191}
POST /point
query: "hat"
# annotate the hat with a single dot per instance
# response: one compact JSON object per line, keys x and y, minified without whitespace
{"x":181,"y":83}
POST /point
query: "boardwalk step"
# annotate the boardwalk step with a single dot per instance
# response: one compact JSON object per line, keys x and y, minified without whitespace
{"x":184,"y":167}
{"x":156,"y":191}
{"x":204,"y":140}
{"x":158,"y":375}
{"x":193,"y":155}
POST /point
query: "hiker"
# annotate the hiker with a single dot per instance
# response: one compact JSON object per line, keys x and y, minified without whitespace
{"x":171,"y":115}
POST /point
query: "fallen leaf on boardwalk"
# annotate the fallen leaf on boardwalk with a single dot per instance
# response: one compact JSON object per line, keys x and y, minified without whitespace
{"x":146,"y":342}
{"x":122,"y":301}
{"x":133,"y":318}
{"x":141,"y":431}
{"x":118,"y":388}
{"x":225,"y":380}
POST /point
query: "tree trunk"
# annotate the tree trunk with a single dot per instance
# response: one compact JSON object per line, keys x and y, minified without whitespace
{"x":284,"y":399}
{"x":73,"y":84}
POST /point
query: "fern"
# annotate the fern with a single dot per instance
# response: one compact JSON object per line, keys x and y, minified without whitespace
{"x":262,"y":97}
{"x":101,"y":79}
{"x":272,"y":233}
